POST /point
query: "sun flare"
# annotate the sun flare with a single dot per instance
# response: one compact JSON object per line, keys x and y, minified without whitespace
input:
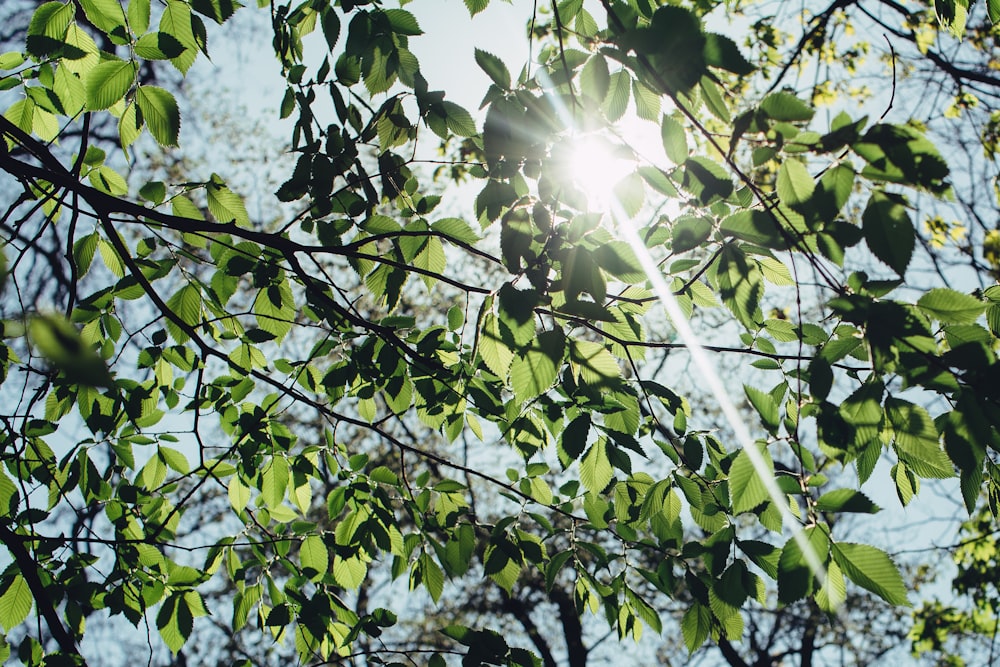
{"x":597,"y":164}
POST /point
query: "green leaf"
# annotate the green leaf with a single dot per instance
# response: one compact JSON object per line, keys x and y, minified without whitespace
{"x":158,"y":46}
{"x":61,"y":344}
{"x":888,"y":231}
{"x":433,"y":577}
{"x":459,"y":120}
{"x":953,"y":15}
{"x":176,"y":21}
{"x":83,"y":252}
{"x":574,"y":439}
{"x":766,"y":407}
{"x":108,"y":17}
{"x":154,"y":191}
{"x":746,"y":486}
{"x":175,"y":459}
{"x":22,"y":114}
{"x":951,"y":307}
{"x":183,"y":207}
{"x":907,"y":485}
{"x":11,"y":60}
{"x":534,"y":371}
{"x":138,"y":15}
{"x":494,"y":352}
{"x":455,"y":229}
{"x":476,"y":6}
{"x":756,"y":226}
{"x":129,"y":126}
{"x":106,"y":179}
{"x":618,"y":258}
{"x":739,"y":285}
{"x":695,"y":626}
{"x":689,"y":233}
{"x":186,"y":304}
{"x":226,"y":205}
{"x":846,"y":500}
{"x":539,"y":490}
{"x":274,"y":482}
{"x":238,"y":493}
{"x":48,"y":28}
{"x":833,"y":593}
{"x":714,"y":101}
{"x":872,"y":569}
{"x":597,"y":366}
{"x":15,"y":603}
{"x":722,"y":52}
{"x":993,"y":9}
{"x":595,"y":79}
{"x":108,"y":82}
{"x":221,"y":10}
{"x":159,"y":110}
{"x":674,"y":43}
{"x":517,"y":312}
{"x":674,"y":140}
{"x":917,"y":439}
{"x":175,"y":621}
{"x":70,"y":90}
{"x":647,"y":101}
{"x":494,"y":68}
{"x":795,"y":576}
{"x":795,"y":184}
{"x":706,"y":179}
{"x":786,"y":107}
{"x":403,"y":22}
{"x":595,"y":467}
{"x":902,"y":154}
{"x":630,"y":192}
{"x":314,"y":557}
{"x":619,"y":92}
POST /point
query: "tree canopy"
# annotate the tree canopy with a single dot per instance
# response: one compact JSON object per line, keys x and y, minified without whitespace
{"x":474,"y":374}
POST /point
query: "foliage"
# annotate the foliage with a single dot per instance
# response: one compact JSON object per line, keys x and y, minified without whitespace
{"x":183,"y":363}
{"x":943,"y":628}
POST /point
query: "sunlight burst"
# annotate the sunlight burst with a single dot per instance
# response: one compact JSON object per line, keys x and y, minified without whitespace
{"x":597,"y":165}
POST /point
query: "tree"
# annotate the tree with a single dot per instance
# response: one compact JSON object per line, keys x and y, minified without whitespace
{"x":329,"y":359}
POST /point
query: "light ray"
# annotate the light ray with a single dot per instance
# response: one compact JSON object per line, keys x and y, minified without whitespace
{"x":711,"y":377}
{"x":698,"y":354}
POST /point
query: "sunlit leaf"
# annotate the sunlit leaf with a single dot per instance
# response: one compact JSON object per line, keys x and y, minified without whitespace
{"x":872,"y":569}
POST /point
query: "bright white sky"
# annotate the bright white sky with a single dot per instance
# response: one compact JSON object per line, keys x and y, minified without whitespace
{"x":446,"y":49}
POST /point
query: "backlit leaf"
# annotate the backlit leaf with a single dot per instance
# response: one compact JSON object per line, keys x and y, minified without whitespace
{"x":15,"y":603}
{"x":619,"y":91}
{"x":695,"y":626}
{"x":795,"y":575}
{"x":534,"y":370}
{"x":787,"y":107}
{"x":595,"y":79}
{"x":108,"y":82}
{"x":872,"y":569}
{"x":159,"y":110}
{"x":314,"y":556}
{"x":226,"y":205}
{"x":846,"y":500}
{"x":746,"y":486}
{"x":494,"y":68}
{"x":595,"y":467}
{"x":951,"y":307}
{"x":795,"y":184}
{"x":674,"y":140}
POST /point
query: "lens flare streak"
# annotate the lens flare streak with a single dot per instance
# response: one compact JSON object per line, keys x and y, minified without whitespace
{"x":714,"y":382}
